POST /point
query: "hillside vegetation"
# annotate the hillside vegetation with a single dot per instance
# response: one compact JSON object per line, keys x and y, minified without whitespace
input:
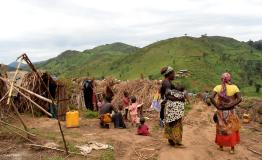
{"x":205,"y":57}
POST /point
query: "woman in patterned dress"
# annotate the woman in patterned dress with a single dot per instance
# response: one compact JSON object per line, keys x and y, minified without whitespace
{"x":173,"y":108}
{"x":227,"y":128}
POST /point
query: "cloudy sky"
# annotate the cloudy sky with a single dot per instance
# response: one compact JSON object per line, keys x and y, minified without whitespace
{"x":45,"y":28}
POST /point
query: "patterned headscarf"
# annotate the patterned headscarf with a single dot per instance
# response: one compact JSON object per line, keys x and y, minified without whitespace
{"x":168,"y":70}
{"x":225,"y":79}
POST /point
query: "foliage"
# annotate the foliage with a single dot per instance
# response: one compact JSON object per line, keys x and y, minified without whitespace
{"x":256,"y":44}
{"x":90,"y":114}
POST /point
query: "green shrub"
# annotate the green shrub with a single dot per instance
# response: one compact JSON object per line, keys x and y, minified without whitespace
{"x":90,"y":114}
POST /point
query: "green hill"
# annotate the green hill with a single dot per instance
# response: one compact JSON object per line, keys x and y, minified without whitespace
{"x":94,"y":62}
{"x":206,"y":58}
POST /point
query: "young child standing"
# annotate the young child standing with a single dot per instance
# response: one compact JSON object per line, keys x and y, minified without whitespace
{"x":126,"y":102}
{"x":143,"y":128}
{"x":133,"y":110}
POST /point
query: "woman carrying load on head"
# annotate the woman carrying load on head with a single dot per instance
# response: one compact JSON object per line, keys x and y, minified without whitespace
{"x":172,"y":107}
{"x":227,"y":128}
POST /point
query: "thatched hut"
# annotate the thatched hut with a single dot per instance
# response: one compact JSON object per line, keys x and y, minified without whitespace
{"x":57,"y":90}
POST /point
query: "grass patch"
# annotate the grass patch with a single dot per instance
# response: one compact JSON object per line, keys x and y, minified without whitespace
{"x":90,"y":114}
{"x":108,"y":155}
{"x":155,"y":128}
{"x":188,"y":107}
{"x":54,"y":158}
{"x":45,"y":134}
{"x":72,"y":148}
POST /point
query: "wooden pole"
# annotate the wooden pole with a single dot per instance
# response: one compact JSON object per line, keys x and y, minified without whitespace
{"x":12,"y":83}
{"x":10,"y":125}
{"x":4,"y":97}
{"x":19,"y":117}
{"x":19,"y":135}
{"x":34,"y":94}
{"x":56,"y":149}
{"x":28,"y":91}
{"x":66,"y":149}
{"x":25,"y":57}
{"x":37,"y":105}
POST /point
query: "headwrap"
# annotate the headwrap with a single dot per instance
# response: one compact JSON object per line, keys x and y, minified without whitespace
{"x":169,"y":70}
{"x":225,"y":79}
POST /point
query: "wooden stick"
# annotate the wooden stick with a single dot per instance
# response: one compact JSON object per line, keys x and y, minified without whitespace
{"x":25,"y":57}
{"x":4,"y":97}
{"x":17,"y":128}
{"x":28,"y":91}
{"x":37,"y":105}
{"x":12,"y":83}
{"x":56,"y":149}
{"x":58,"y":121}
{"x":19,"y":117}
{"x":19,"y":135}
{"x":254,"y":151}
{"x":34,"y":94}
{"x":32,"y":110}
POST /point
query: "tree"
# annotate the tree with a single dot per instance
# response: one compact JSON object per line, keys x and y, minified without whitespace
{"x":257,"y":86}
{"x":250,"y":43}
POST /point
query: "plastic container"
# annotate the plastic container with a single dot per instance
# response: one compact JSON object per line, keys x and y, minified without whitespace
{"x":72,"y":119}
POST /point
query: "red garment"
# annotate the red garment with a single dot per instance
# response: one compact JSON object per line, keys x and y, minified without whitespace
{"x":125,"y":102}
{"x":228,"y":140}
{"x":143,"y":130}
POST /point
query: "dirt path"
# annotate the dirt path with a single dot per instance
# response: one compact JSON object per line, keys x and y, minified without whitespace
{"x":198,"y":137}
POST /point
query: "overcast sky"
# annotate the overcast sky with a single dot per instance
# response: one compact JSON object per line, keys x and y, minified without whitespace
{"x":45,"y":28}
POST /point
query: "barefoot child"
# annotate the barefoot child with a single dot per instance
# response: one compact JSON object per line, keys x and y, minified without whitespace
{"x":133,"y":110}
{"x":143,"y":128}
{"x":126,"y":103}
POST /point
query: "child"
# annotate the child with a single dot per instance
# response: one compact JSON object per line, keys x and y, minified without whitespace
{"x":126,"y":104}
{"x":133,"y":110}
{"x":118,"y":118}
{"x":156,"y":102}
{"x":99,"y":103}
{"x":143,"y":128}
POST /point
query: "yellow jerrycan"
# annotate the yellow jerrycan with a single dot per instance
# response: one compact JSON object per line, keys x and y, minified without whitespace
{"x":72,"y":119}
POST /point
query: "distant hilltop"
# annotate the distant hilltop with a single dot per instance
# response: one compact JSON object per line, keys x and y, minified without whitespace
{"x":205,"y":57}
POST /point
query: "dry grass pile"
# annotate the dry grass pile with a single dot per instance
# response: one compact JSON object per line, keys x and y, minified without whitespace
{"x":3,"y":92}
{"x":3,"y":98}
{"x":75,"y":89}
{"x":143,"y":90}
{"x":33,"y":83}
{"x":251,"y":106}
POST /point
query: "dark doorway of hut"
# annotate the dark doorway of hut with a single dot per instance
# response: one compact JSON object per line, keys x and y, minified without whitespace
{"x":88,"y":94}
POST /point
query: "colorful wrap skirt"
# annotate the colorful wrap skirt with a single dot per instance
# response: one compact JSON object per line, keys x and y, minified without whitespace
{"x":174,"y":131}
{"x":227,"y":128}
{"x":174,"y":111}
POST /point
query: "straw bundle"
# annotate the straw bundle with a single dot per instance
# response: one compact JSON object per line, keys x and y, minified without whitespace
{"x":3,"y":90}
{"x":143,"y":90}
{"x":3,"y":98}
{"x":34,"y":84}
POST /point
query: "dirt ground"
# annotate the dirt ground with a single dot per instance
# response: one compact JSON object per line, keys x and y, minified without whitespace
{"x":198,"y":138}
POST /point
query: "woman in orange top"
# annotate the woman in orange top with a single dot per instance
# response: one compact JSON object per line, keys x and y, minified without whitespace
{"x":227,"y":128}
